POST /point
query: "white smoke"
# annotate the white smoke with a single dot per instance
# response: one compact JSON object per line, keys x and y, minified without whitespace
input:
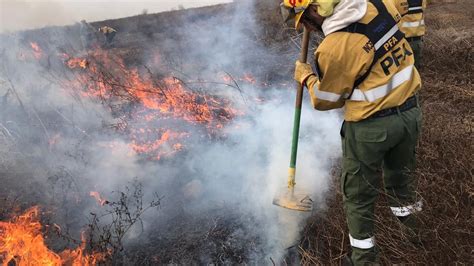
{"x":240,"y":172}
{"x":251,"y":166}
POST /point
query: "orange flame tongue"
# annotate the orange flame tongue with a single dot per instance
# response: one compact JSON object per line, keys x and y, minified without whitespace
{"x":157,"y":104}
{"x":164,"y":146}
{"x":77,"y":63}
{"x":98,"y":198}
{"x":37,"y":52}
{"x":22,"y":242}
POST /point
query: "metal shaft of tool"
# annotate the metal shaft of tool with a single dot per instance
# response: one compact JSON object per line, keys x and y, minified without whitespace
{"x":297,"y":118}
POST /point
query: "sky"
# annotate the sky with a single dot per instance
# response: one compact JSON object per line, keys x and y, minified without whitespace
{"x":30,"y":14}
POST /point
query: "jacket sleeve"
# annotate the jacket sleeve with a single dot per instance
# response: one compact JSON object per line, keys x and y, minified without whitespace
{"x":340,"y":61}
{"x":333,"y":84}
{"x":402,"y":6}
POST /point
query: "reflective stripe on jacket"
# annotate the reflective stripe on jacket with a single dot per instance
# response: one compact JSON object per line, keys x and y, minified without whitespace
{"x":365,"y":73}
{"x":412,"y":22}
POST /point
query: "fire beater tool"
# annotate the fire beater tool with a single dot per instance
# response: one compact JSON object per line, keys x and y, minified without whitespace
{"x":291,"y":197}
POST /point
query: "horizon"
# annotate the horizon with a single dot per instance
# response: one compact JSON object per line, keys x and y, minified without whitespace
{"x":17,"y":15}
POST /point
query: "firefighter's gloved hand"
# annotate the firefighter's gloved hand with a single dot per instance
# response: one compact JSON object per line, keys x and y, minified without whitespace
{"x":302,"y":72}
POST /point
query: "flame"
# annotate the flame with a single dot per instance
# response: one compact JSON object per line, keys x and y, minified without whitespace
{"x":37,"y":52}
{"x":157,"y":146}
{"x":77,"y":63}
{"x":54,"y":140}
{"x":170,"y":97}
{"x":249,"y":78}
{"x":157,"y":103}
{"x":246,"y":78}
{"x":22,"y":243}
{"x":102,"y":201}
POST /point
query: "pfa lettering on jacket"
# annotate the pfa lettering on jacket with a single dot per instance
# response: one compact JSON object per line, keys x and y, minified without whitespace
{"x":396,"y":57}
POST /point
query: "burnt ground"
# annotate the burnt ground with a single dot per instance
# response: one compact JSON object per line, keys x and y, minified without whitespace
{"x":444,"y":155}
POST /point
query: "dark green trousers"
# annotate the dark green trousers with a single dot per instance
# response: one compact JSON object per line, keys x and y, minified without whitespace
{"x":109,"y":37}
{"x":417,"y":47}
{"x":376,"y":150}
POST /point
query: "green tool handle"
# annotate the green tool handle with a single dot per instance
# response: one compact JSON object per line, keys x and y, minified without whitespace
{"x":297,"y":118}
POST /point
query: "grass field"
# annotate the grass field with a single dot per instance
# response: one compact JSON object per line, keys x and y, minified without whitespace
{"x":33,"y":174}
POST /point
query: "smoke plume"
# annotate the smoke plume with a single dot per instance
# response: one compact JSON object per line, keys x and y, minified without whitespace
{"x":64,"y":144}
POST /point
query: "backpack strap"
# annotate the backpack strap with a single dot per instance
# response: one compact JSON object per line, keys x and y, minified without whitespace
{"x":382,"y":32}
{"x":415,"y":6}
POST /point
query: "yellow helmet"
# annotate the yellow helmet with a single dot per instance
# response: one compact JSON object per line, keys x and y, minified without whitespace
{"x":295,"y":8}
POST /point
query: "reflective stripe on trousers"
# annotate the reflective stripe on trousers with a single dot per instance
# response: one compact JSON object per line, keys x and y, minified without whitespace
{"x":362,"y":243}
{"x":407,"y":210}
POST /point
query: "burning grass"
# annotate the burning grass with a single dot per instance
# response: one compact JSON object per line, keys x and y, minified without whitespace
{"x":24,"y":239}
{"x":155,"y":112}
{"x":103,"y":75}
{"x":22,"y":243}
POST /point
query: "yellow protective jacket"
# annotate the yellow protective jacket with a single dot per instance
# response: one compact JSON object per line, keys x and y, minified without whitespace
{"x":107,"y":30}
{"x":364,"y":75}
{"x":413,"y":20}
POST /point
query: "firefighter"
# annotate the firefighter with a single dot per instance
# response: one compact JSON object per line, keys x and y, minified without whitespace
{"x":365,"y":65}
{"x":109,"y":34}
{"x":412,"y":25}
